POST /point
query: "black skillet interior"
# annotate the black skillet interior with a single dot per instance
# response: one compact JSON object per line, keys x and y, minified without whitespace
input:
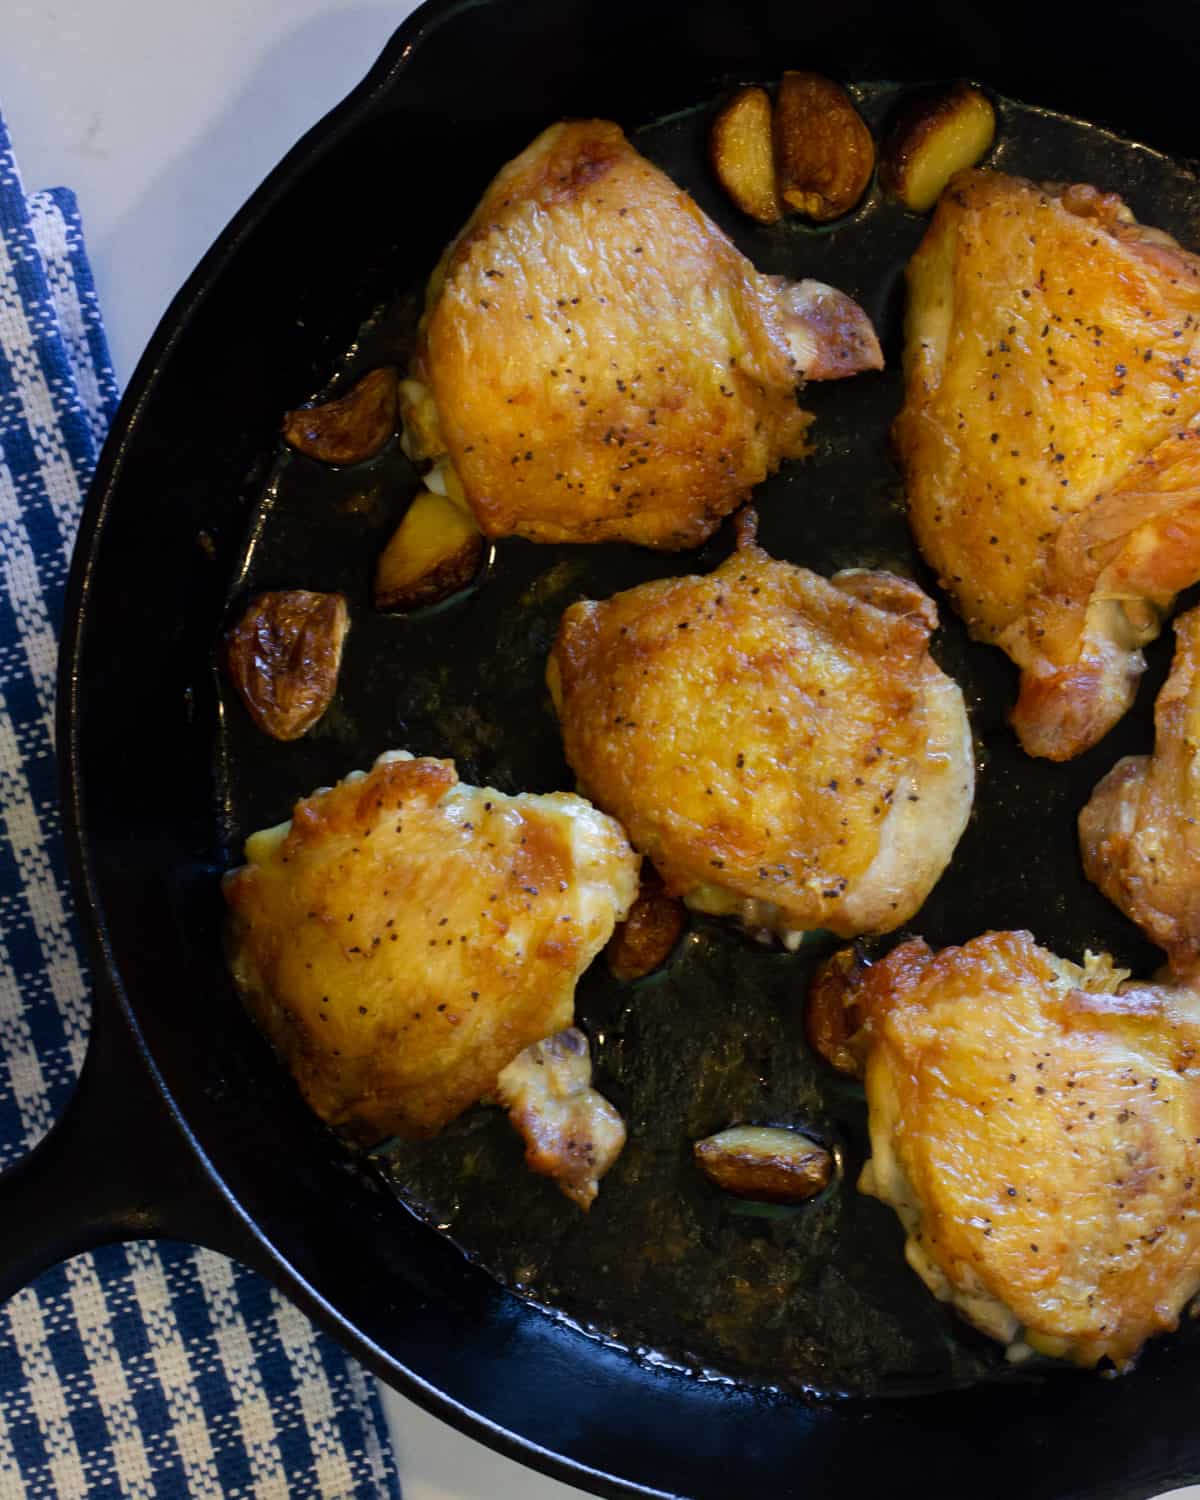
{"x":319,"y":276}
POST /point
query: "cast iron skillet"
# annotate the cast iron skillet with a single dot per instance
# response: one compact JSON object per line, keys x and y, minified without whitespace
{"x":183,"y":1125}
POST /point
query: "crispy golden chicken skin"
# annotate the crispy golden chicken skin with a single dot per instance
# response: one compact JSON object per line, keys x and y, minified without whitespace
{"x":598,"y":362}
{"x":1048,"y":437}
{"x":405,"y":936}
{"x":1036,"y":1126}
{"x":1140,"y":832}
{"x":572,"y":1134}
{"x":783,"y":747}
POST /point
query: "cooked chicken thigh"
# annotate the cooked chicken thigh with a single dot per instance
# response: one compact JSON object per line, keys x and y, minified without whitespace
{"x":1140,"y":833}
{"x":783,"y":747}
{"x":1048,"y":437}
{"x":1036,"y":1126}
{"x":405,"y":936}
{"x":597,"y":361}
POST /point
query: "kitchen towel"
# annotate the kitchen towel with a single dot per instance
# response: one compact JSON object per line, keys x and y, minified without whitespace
{"x":140,"y":1370}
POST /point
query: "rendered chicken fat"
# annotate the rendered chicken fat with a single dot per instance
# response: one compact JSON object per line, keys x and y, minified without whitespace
{"x":406,"y":936}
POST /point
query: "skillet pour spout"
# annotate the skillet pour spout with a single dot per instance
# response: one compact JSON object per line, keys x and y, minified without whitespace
{"x":184,"y":1123}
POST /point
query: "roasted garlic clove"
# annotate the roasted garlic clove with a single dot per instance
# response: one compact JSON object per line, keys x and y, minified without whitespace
{"x":646,"y":938}
{"x":743,"y":154}
{"x":834,"y":1017}
{"x":283,"y":657}
{"x":935,"y":135}
{"x":824,"y":154}
{"x":767,"y":1163}
{"x":434,"y":552}
{"x":350,"y":429}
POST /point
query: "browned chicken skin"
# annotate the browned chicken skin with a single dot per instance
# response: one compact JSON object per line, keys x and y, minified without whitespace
{"x":1140,"y":832}
{"x":405,"y":936}
{"x":1048,"y":437}
{"x":572,"y":1134}
{"x":782,"y":746}
{"x":1036,"y":1126}
{"x":598,"y":362}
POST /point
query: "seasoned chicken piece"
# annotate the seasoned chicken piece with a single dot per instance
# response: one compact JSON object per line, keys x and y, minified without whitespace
{"x":1140,"y":833}
{"x":571,"y":1132}
{"x":1048,"y":437}
{"x":1036,"y":1126}
{"x":405,"y":936}
{"x":597,"y":362}
{"x":782,"y":747}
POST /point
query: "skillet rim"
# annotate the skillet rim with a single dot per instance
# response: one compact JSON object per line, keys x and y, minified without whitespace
{"x":265,"y":1258}
{"x":177,"y":319}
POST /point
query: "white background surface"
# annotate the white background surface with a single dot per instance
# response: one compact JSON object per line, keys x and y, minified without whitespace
{"x":163,"y":116}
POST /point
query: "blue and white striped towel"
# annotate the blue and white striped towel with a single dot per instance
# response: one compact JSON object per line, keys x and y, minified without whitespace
{"x":141,"y":1370}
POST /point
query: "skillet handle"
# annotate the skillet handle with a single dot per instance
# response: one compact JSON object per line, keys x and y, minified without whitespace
{"x":116,"y":1166}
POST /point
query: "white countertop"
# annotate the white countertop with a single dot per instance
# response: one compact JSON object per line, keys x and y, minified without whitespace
{"x":163,"y":117}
